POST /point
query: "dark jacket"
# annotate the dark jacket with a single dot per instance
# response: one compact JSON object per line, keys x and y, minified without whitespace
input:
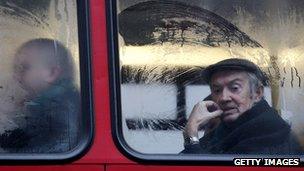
{"x":50,"y":123}
{"x":260,"y":130}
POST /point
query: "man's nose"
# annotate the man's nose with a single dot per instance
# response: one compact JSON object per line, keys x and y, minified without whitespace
{"x":226,"y":95}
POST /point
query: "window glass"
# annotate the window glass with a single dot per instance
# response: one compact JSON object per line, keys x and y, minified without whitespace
{"x":169,"y":53}
{"x":40,"y":100}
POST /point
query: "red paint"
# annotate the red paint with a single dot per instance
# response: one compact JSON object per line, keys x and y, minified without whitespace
{"x":192,"y":168}
{"x":103,"y":149}
{"x":54,"y":168}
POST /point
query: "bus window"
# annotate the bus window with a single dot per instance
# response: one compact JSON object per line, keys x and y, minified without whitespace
{"x":210,"y":77}
{"x":40,"y":84}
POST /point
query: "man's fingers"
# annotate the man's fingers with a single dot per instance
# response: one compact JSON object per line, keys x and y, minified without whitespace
{"x":212,"y":106}
{"x":217,"y":106}
{"x":209,"y":102}
{"x":216,"y":113}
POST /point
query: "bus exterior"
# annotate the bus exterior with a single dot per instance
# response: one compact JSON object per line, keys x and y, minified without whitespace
{"x":114,"y":87}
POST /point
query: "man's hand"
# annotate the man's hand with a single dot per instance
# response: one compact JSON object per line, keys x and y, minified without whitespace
{"x":200,"y":116}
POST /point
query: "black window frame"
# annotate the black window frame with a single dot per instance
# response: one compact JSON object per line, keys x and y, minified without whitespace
{"x":86,"y":96}
{"x":116,"y":114}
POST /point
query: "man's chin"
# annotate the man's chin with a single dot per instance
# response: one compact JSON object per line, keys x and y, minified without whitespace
{"x":229,"y":117}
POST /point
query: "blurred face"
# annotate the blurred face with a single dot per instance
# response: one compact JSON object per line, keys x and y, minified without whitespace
{"x":31,"y":71}
{"x":231,"y":91}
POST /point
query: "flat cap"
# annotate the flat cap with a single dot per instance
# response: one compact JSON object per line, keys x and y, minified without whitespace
{"x":234,"y":64}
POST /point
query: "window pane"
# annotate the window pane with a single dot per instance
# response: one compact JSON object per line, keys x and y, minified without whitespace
{"x":40,"y":100}
{"x":165,"y":49}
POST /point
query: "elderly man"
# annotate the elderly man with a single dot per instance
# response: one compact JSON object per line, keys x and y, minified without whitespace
{"x":248,"y":124}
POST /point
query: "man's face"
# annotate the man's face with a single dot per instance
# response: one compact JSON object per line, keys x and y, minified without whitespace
{"x":231,"y":91}
{"x":31,"y":71}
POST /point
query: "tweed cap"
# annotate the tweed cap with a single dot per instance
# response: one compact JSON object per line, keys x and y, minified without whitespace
{"x":234,"y":64}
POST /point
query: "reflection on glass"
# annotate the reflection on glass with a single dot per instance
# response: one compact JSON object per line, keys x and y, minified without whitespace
{"x":40,"y":100}
{"x":170,"y":43}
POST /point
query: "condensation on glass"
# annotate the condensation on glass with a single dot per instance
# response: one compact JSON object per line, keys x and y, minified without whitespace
{"x":164,"y":45}
{"x":39,"y":81}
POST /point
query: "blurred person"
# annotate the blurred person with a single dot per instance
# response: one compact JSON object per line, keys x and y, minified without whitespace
{"x":50,"y":120}
{"x":248,"y":124}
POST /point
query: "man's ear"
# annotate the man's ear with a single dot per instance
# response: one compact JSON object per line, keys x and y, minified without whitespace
{"x":54,"y":74}
{"x":259,"y":93}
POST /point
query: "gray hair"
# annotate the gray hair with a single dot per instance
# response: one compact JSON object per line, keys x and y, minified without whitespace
{"x":254,"y":82}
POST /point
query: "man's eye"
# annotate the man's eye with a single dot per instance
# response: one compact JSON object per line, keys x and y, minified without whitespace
{"x":235,"y":88}
{"x":216,"y":91}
